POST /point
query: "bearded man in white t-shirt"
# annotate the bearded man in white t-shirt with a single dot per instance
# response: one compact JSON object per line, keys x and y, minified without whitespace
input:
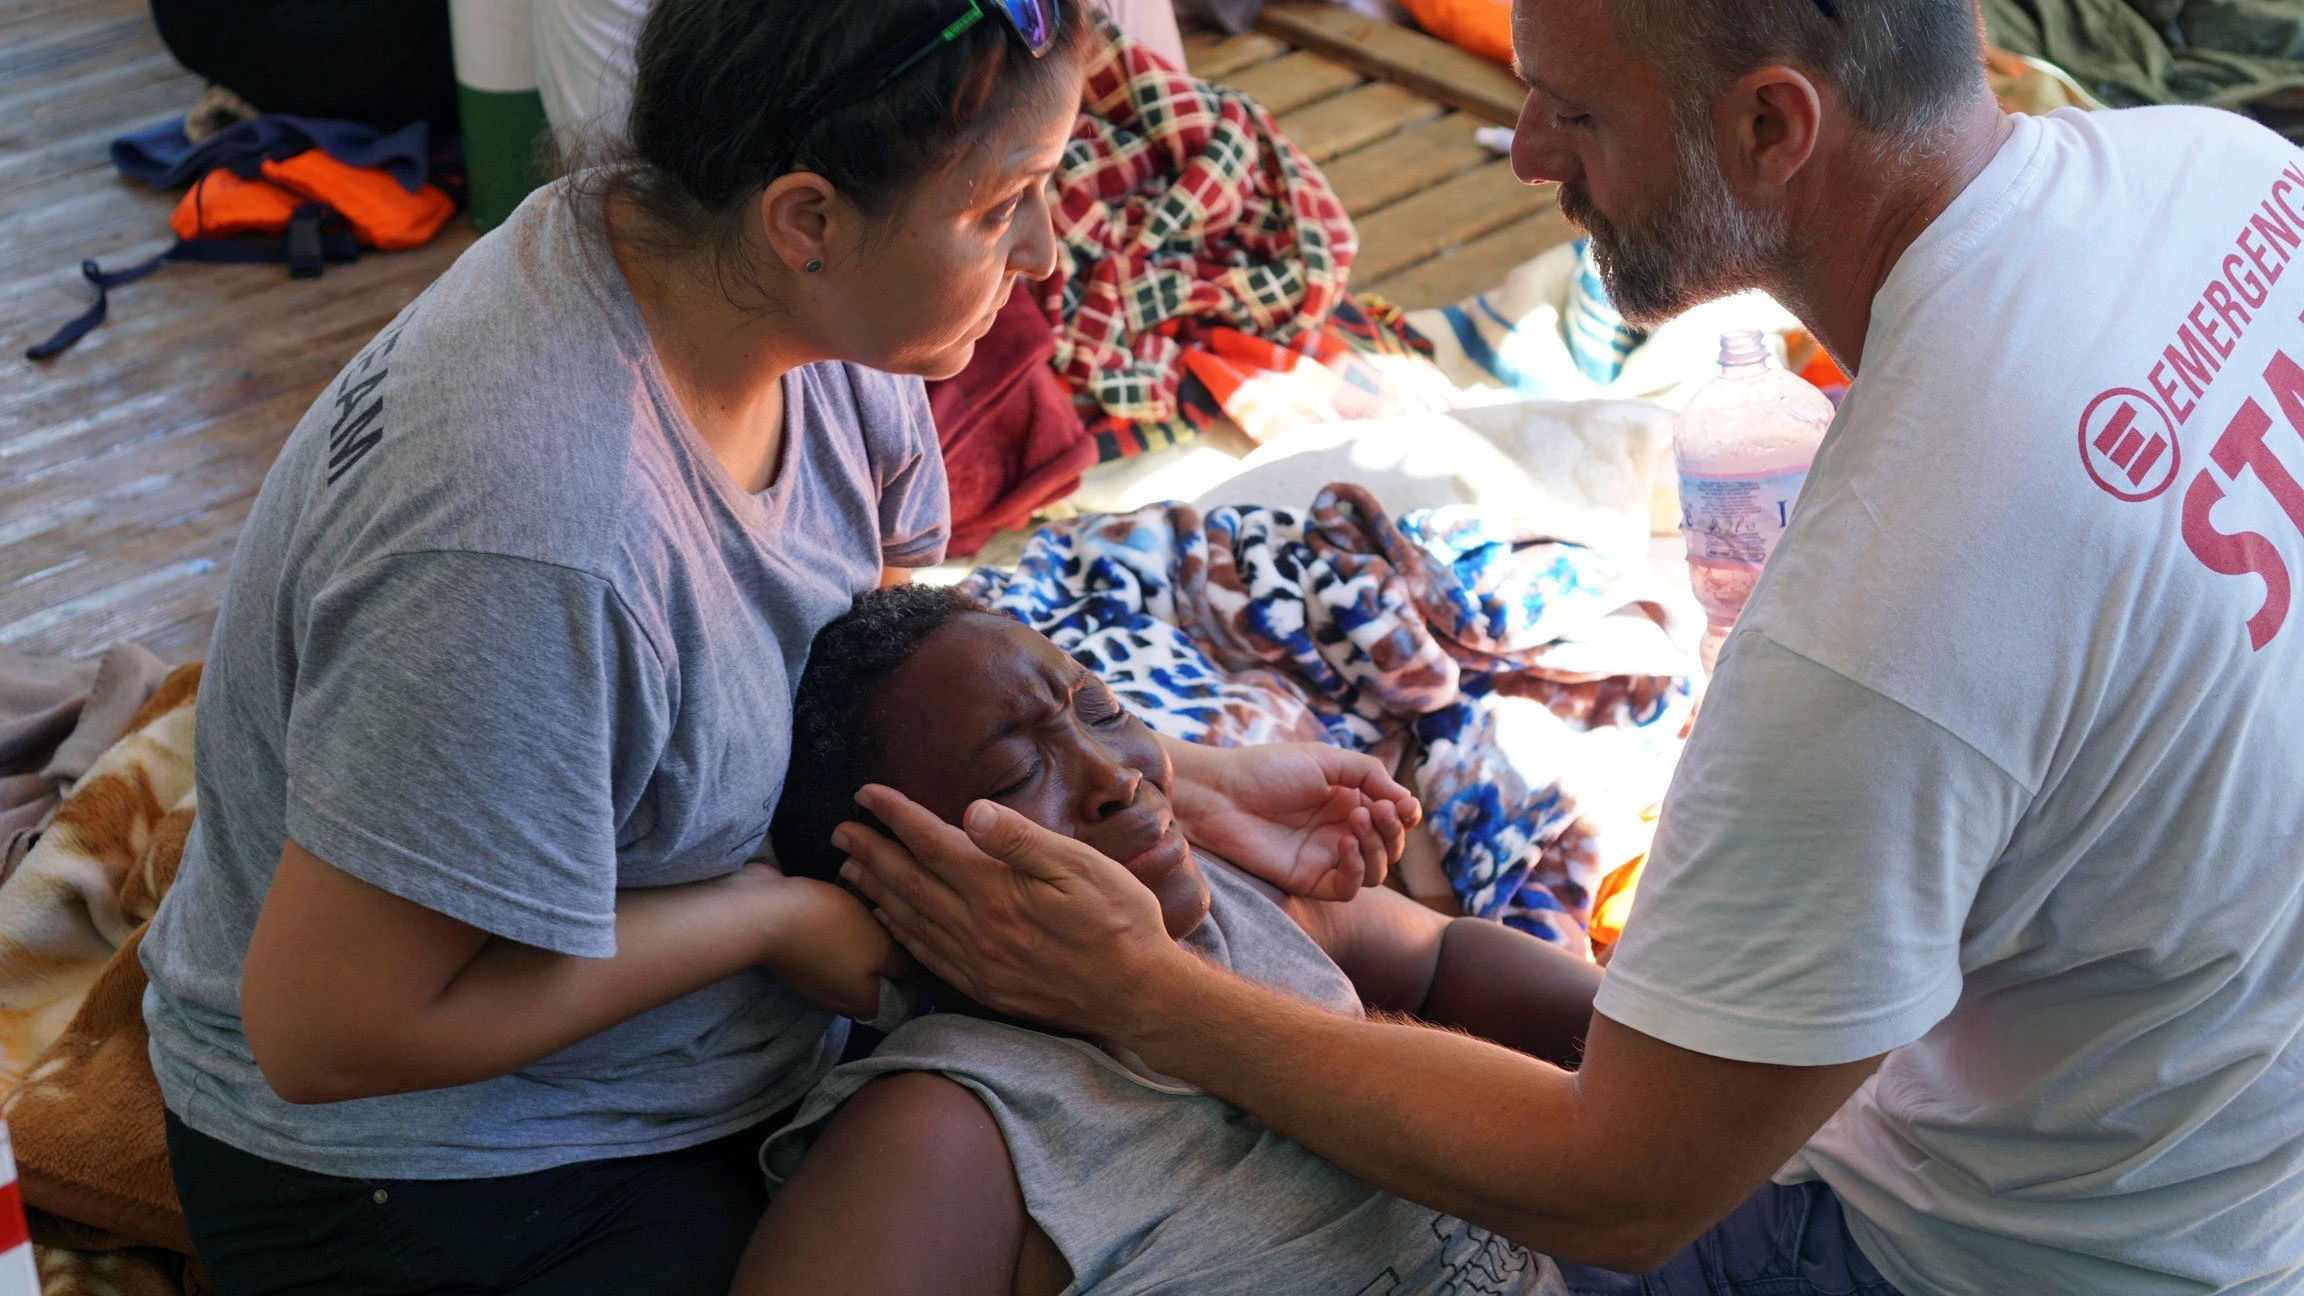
{"x":1970,"y":958}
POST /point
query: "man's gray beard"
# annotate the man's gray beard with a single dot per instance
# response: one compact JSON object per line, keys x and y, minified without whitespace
{"x":1701,"y":245}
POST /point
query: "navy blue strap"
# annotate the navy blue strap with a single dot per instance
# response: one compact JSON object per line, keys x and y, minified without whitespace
{"x":306,"y":248}
{"x":105,"y":281}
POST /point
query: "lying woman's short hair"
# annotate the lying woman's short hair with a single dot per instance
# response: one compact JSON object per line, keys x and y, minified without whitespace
{"x":836,"y":729}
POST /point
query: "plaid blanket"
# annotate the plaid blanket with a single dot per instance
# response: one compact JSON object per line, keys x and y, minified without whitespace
{"x":1180,"y":205}
{"x":1539,"y":699}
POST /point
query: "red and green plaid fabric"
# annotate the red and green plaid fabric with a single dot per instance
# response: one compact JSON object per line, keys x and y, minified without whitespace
{"x":1180,"y":206}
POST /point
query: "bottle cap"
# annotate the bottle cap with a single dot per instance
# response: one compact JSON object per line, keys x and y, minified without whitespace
{"x":1743,"y":347}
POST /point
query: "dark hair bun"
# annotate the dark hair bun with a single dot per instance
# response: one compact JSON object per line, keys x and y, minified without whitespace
{"x":717,"y":84}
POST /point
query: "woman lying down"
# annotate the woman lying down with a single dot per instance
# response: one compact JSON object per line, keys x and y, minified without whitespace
{"x":973,"y":1154}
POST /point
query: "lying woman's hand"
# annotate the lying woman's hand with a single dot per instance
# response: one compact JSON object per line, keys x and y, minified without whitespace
{"x":1018,"y":918}
{"x":824,"y":945}
{"x":1312,"y":819}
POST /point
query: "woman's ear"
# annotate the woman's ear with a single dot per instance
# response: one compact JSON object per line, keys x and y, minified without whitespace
{"x":798,"y":215}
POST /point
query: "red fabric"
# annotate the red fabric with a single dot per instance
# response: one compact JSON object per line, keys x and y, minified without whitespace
{"x":1180,"y":206}
{"x":1012,"y":440}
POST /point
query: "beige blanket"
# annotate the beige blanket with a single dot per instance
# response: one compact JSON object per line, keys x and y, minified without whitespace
{"x":82,"y":1106}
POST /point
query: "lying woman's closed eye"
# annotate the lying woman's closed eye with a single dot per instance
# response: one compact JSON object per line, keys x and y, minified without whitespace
{"x":973,"y":1155}
{"x":982,"y":707}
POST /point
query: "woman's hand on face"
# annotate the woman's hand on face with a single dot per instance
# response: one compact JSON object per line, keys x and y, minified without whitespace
{"x":823,"y":943}
{"x":1018,"y":918}
{"x":1312,"y":819}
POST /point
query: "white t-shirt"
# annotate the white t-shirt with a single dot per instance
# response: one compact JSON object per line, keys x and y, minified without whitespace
{"x":2003,"y":769}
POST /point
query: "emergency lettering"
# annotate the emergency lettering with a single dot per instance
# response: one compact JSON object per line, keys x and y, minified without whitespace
{"x":2241,"y":450}
{"x":2209,"y":330}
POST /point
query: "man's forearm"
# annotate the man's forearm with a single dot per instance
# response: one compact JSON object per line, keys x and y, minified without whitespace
{"x":1458,"y":1124}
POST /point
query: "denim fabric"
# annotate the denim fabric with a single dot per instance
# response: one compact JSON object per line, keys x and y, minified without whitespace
{"x":1786,"y":1241}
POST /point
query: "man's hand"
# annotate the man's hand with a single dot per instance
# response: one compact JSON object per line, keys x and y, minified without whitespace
{"x":823,"y":945}
{"x":1016,"y":917}
{"x":1312,"y":819}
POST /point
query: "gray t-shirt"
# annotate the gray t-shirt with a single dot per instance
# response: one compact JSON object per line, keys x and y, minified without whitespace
{"x":503,"y":637}
{"x":1152,"y":1188}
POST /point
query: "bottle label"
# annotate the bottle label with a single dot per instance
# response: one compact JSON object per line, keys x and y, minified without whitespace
{"x":1734,"y":521}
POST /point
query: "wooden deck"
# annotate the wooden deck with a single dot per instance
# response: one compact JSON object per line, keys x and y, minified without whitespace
{"x":1388,"y":115}
{"x":128,"y":464}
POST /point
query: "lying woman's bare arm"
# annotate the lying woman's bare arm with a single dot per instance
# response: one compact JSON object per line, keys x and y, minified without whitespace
{"x":1477,"y":976}
{"x":908,"y":1192}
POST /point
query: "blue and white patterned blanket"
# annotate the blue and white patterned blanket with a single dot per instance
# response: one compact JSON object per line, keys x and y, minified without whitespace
{"x":1536,"y":699}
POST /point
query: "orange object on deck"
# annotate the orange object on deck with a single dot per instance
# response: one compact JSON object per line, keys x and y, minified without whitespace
{"x":384,"y":215}
{"x":221,"y":205}
{"x":1483,"y":27}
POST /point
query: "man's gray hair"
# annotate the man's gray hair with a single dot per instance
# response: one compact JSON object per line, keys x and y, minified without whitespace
{"x":1901,"y":66}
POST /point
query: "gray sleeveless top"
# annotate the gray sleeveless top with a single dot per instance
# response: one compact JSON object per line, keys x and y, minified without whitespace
{"x":1150,"y":1187}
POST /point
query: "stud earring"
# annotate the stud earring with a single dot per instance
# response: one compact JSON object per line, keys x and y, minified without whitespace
{"x":814,"y":264}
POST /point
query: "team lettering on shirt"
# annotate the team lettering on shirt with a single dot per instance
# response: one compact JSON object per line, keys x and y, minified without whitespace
{"x":358,"y":426}
{"x":2128,"y":438}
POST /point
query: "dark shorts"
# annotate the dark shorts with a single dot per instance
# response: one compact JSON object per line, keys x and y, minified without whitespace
{"x":673,"y":1224}
{"x":1786,"y":1241}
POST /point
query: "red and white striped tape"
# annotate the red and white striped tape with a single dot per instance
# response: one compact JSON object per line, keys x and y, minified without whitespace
{"x":19,"y":1276}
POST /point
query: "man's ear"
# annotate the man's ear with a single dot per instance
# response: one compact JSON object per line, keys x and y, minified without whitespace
{"x":798,"y":213}
{"x":1774,"y":115}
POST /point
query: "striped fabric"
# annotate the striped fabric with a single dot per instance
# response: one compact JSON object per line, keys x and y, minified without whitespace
{"x":19,"y":1276}
{"x":1599,"y":341}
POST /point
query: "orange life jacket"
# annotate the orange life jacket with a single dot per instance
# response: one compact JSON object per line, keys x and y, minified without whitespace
{"x":383,"y":215}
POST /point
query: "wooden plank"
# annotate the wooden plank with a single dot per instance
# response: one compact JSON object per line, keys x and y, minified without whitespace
{"x":144,"y":381}
{"x":1456,"y":211}
{"x":165,"y":598}
{"x":23,"y":19}
{"x":77,"y":146}
{"x":33,"y":113}
{"x":1389,"y":52}
{"x":103,"y":505}
{"x":97,"y":570}
{"x":1474,"y":267}
{"x":127,"y":466}
{"x":1292,"y":81}
{"x":1417,"y":158}
{"x":1213,"y":56}
{"x":1356,"y":117}
{"x":80,"y":44}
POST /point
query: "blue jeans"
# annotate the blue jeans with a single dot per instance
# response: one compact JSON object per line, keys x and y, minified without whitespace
{"x":1784,"y":1242}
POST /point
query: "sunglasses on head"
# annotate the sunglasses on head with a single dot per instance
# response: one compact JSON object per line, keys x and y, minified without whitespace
{"x":1031,"y":22}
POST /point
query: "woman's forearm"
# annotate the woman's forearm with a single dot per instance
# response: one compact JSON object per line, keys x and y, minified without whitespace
{"x":351,"y":992}
{"x":514,"y":1004}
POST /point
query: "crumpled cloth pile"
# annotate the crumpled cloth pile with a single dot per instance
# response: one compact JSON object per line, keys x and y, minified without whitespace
{"x":1180,"y":206}
{"x":2227,"y":53}
{"x":56,"y":717}
{"x":1536,"y":695}
{"x":83,"y":1110}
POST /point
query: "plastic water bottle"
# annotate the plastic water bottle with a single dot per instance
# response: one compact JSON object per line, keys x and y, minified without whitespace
{"x":1743,"y":446}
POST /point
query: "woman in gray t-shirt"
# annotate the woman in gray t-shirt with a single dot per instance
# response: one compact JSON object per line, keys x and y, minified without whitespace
{"x":473,"y":978}
{"x":971,"y":1156}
